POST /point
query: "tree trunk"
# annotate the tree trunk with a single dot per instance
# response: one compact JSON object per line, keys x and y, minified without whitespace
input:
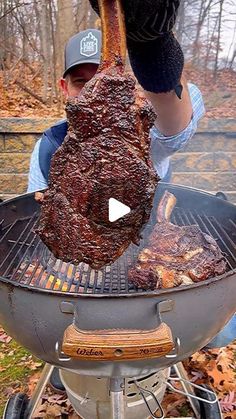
{"x":3,"y":33}
{"x":218,"y":39}
{"x":180,"y":22}
{"x":53,"y":62}
{"x":210,"y":50}
{"x":204,"y":9}
{"x":65,"y":29}
{"x":45,"y":47}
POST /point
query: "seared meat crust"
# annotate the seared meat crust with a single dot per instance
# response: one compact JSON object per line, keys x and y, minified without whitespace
{"x":176,"y":255}
{"x":105,"y":155}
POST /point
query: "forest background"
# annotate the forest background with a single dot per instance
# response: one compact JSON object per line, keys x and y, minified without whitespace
{"x":33,"y":34}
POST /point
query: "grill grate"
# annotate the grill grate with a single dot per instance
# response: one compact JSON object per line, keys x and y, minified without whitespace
{"x":27,"y":261}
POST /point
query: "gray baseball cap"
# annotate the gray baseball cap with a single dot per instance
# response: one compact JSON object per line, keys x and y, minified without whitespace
{"x":84,"y":47}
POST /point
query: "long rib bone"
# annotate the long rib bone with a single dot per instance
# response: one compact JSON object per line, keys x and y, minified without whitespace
{"x":113,"y":35}
{"x":165,"y":207}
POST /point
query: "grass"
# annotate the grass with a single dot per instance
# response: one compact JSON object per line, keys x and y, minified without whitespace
{"x":184,"y":410}
{"x":16,"y":366}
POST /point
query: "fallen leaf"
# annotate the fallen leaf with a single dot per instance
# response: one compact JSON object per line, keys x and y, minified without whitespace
{"x":57,"y":399}
{"x":4,"y":338}
{"x":225,"y":360}
{"x":197,"y":375}
{"x":171,"y":402}
{"x":228,"y":403}
{"x":199,"y":358}
{"x":40,"y":411}
{"x":33,"y":380}
{"x":231,"y":415}
{"x":53,"y":411}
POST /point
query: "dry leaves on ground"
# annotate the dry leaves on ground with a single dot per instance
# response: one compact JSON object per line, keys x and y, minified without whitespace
{"x":218,"y":369}
{"x":219,"y":95}
{"x":54,"y":406}
{"x":214,"y":367}
{"x":4,"y":338}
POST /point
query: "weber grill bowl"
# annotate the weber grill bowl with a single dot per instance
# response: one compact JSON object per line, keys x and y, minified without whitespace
{"x":41,"y":297}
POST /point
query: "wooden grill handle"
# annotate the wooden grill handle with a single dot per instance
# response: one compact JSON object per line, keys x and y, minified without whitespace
{"x":117,"y":344}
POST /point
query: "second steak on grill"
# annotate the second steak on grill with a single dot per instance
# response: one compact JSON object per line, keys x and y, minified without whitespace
{"x":176,"y":255}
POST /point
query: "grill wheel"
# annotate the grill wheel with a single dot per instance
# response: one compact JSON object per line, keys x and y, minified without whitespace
{"x":16,"y":406}
{"x":208,"y":411}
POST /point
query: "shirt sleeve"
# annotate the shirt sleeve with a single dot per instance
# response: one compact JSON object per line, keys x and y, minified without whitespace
{"x":36,"y":180}
{"x":170,"y":144}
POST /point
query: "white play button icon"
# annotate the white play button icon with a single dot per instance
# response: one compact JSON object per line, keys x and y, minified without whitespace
{"x":117,"y":210}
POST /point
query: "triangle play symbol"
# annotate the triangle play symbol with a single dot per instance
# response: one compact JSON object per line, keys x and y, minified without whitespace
{"x":117,"y":210}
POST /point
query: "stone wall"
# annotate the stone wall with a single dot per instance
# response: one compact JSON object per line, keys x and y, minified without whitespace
{"x":17,"y":140}
{"x":208,"y":162}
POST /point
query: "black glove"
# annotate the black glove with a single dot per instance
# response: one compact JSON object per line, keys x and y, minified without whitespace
{"x":148,"y":19}
{"x":155,"y":55}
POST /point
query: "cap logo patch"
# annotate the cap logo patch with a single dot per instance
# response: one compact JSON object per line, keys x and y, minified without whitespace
{"x":89,"y":45}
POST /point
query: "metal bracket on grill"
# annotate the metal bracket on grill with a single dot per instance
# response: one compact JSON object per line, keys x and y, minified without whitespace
{"x":67,"y":307}
{"x":162,"y":307}
{"x":60,"y":354}
{"x":166,"y":305}
{"x":175,"y":352}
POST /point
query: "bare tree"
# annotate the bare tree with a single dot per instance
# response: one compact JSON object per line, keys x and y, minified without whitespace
{"x":33,"y":34}
{"x":45,"y":45}
{"x":65,"y":28}
{"x":203,"y":11}
{"x":221,"y":2}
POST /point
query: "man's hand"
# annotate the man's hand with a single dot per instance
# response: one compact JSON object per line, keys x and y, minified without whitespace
{"x":157,"y":60}
{"x":155,"y":55}
{"x":147,"y":19}
{"x":39,"y":196}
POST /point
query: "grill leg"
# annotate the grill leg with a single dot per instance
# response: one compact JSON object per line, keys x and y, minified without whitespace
{"x":117,"y":398}
{"x":39,"y":389}
{"x":181,"y":373}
